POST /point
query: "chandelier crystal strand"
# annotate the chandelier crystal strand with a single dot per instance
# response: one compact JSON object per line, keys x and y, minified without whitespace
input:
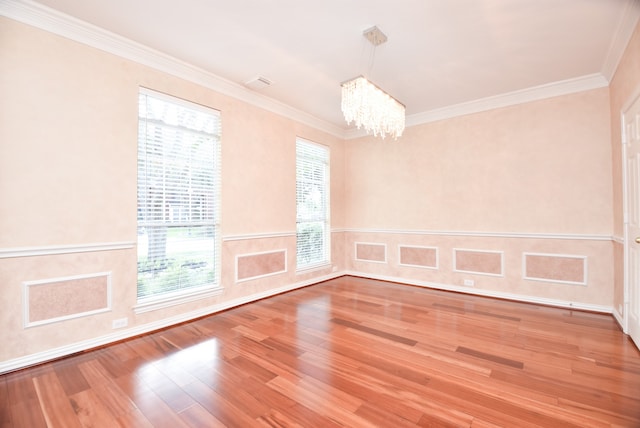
{"x":372,"y":108}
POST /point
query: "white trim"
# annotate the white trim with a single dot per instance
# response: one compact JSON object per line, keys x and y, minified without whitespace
{"x":618,"y":239}
{"x":621,"y":38}
{"x":578,"y":237}
{"x":380,"y":244}
{"x":6,"y":253}
{"x":258,"y":236}
{"x":251,"y":278}
{"x":25,"y":299}
{"x":177,"y":298}
{"x":555,"y":281}
{"x":488,"y":293}
{"x":436,"y":267}
{"x":471,"y":250}
{"x":40,"y":357}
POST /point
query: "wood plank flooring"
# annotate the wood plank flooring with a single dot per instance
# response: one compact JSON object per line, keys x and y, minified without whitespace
{"x":347,"y":352}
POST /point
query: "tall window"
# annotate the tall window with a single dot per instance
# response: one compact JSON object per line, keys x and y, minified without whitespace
{"x":312,"y":205}
{"x":178,"y":196}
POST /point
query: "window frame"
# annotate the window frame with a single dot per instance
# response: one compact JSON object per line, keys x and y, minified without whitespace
{"x":213,"y":287}
{"x":324,"y":217}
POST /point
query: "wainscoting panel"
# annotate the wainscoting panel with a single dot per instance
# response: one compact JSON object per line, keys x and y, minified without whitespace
{"x":555,"y":268}
{"x":478,"y":261}
{"x":259,"y":265}
{"x":371,"y":252}
{"x":424,"y":257}
{"x":57,"y":299}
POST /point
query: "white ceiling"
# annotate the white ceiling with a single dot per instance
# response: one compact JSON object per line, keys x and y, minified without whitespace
{"x":440,"y":53}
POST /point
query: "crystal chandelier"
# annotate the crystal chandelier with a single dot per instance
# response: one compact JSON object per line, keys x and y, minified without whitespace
{"x":372,"y":108}
{"x":369,"y":106}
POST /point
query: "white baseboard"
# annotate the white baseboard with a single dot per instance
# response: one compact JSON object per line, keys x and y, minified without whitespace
{"x":490,"y":293}
{"x":51,"y":354}
{"x":41,"y":357}
{"x":620,"y":319}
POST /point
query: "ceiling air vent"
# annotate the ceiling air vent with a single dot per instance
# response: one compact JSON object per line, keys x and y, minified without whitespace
{"x":258,"y":83}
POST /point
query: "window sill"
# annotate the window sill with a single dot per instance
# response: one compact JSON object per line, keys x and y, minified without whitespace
{"x":154,"y":303}
{"x":313,"y":268}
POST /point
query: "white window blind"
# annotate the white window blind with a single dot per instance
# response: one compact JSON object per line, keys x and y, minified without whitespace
{"x":312,"y":205}
{"x":178,"y":196}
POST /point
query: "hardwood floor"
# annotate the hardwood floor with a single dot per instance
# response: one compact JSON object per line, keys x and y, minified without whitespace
{"x":347,"y":352}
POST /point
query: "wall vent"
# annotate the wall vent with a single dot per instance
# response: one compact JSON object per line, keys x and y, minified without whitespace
{"x":258,"y":83}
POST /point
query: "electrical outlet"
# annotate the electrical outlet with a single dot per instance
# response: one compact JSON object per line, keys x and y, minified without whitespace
{"x":119,"y":323}
{"x":469,"y":282}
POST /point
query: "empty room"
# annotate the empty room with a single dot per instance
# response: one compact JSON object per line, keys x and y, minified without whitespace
{"x":320,"y":214}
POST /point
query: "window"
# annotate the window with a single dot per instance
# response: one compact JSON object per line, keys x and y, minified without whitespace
{"x":178,"y":197}
{"x":312,"y":205}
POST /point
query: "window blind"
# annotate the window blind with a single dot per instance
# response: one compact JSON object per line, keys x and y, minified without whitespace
{"x":312,"y":204}
{"x":178,"y":195}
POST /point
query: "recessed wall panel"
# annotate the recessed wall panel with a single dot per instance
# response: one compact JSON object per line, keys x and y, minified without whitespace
{"x":478,"y":261}
{"x":57,"y":299}
{"x":371,"y":252}
{"x":555,"y":268}
{"x":257,"y":265}
{"x":425,"y":257}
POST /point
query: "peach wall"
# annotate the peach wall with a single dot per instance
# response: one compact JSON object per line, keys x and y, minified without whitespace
{"x":531,"y":172}
{"x":68,"y":139}
{"x":540,"y":167}
{"x":624,"y":88}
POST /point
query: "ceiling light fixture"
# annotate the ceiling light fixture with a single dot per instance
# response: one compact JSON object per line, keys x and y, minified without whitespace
{"x":369,"y":106}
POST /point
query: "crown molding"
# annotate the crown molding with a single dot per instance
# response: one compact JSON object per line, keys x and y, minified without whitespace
{"x":40,"y":16}
{"x":626,"y":26}
{"x":563,"y":87}
{"x":45,"y":18}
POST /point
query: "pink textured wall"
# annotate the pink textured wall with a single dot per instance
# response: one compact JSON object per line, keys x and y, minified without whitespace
{"x":539,"y":167}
